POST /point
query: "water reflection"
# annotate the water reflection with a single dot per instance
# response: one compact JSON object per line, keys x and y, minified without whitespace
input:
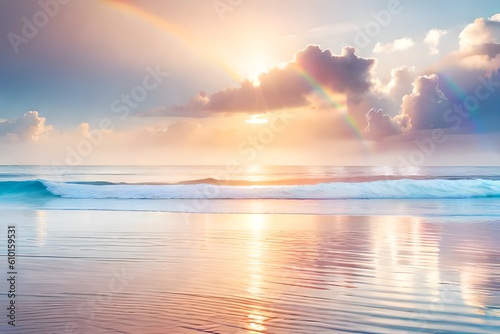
{"x":256,"y":316}
{"x":41,"y":230}
{"x":405,"y":255}
{"x":263,"y":274}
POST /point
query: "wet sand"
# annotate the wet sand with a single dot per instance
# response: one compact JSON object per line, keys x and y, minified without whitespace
{"x":138,"y":272}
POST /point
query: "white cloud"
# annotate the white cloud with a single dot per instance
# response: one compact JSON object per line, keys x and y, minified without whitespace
{"x":29,"y":127}
{"x":495,"y":17}
{"x":480,"y":44}
{"x":481,"y":31}
{"x":397,"y":45}
{"x":433,"y":38}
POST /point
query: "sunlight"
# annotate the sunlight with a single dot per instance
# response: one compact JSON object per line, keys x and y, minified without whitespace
{"x":257,"y":119}
{"x":256,"y":256}
{"x":254,"y":80}
{"x":256,"y":62}
{"x":41,"y":233}
{"x":257,"y":68}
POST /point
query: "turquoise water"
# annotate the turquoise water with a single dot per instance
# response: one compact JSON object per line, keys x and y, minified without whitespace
{"x":431,"y":191}
{"x":124,"y":263}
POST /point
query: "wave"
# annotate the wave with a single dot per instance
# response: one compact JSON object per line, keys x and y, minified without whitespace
{"x":389,"y":189}
{"x":291,"y":182}
{"x":31,"y":188}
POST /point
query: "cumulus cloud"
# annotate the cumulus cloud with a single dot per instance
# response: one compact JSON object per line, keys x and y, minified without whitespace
{"x":397,"y":45}
{"x":401,"y":82}
{"x":404,"y":105}
{"x":425,"y":108}
{"x":481,"y":31}
{"x":382,"y":95}
{"x":426,"y":105}
{"x":469,"y":105}
{"x":28,"y":127}
{"x":290,"y":85}
{"x":433,"y":38}
{"x":380,"y":125}
{"x":344,"y":73}
{"x":480,"y":44}
{"x":461,"y":94}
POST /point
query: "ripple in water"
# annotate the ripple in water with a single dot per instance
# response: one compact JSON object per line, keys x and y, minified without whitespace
{"x":132,"y":272}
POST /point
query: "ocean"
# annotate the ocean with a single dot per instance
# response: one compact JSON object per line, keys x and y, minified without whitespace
{"x":254,"y":249}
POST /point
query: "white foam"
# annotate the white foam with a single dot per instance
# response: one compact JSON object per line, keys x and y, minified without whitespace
{"x":367,"y":190}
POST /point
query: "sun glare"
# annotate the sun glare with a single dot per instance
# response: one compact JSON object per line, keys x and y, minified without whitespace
{"x":254,"y":80}
{"x":255,"y":71}
{"x":257,"y":119}
{"x":255,"y":63}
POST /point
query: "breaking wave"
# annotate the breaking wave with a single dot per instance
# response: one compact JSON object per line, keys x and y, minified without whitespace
{"x":382,"y":189}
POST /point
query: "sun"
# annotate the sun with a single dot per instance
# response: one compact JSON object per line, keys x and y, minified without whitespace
{"x":254,"y":79}
{"x":259,"y":68}
{"x":257,"y":119}
{"x":256,"y":63}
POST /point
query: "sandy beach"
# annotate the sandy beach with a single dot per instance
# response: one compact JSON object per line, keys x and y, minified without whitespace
{"x":130,"y":272}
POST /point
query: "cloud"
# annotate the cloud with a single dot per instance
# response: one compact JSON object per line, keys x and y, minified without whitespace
{"x":423,"y":109}
{"x":380,"y":125}
{"x":401,"y":82}
{"x":397,"y":45}
{"x":480,"y":44}
{"x":433,"y":38}
{"x":29,"y":127}
{"x":468,"y":104}
{"x":346,"y":73}
{"x":193,"y":108}
{"x":481,"y":31}
{"x":426,"y":105}
{"x":287,"y":86}
{"x":400,"y":107}
{"x":461,"y":94}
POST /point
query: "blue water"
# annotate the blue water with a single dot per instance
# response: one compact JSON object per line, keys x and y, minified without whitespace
{"x":430,"y":191}
{"x":266,"y":249}
{"x":388,"y":189}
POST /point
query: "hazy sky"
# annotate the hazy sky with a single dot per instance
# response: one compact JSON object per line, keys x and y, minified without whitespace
{"x":251,"y":81}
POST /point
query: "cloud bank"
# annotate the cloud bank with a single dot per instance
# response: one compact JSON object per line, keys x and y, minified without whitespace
{"x":463,"y":94}
{"x":445,"y":98}
{"x":287,"y":86}
{"x":460,"y":96}
{"x":29,"y":127}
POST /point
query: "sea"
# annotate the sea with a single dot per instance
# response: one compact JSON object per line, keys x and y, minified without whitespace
{"x":249,"y":249}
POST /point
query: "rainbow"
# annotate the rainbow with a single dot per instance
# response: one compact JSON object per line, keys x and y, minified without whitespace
{"x":462,"y":95}
{"x":477,"y":123}
{"x":175,"y":31}
{"x":459,"y":92}
{"x":197,"y":45}
{"x":331,"y":99}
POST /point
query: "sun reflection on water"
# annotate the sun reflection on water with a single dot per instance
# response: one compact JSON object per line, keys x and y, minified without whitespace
{"x":41,"y":227}
{"x":256,"y":253}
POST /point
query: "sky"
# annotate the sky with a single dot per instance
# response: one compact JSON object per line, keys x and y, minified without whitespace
{"x":323,"y":82}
